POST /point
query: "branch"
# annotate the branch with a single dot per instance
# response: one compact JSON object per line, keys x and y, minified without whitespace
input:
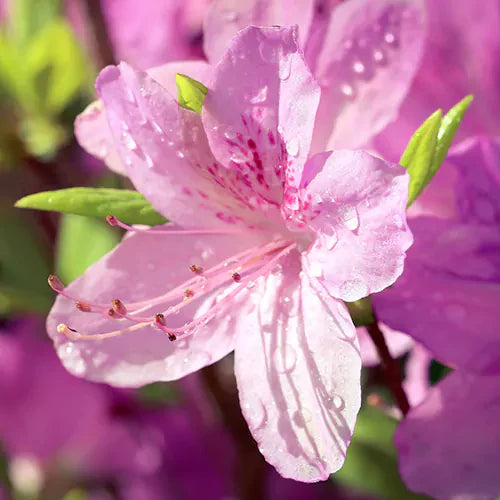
{"x":389,"y":366}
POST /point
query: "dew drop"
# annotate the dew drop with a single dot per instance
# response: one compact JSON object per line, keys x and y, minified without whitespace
{"x":128,"y":141}
{"x":293,"y":147}
{"x":229,"y":135}
{"x":358,"y":67}
{"x":390,"y":38}
{"x":336,"y":402}
{"x":379,"y":56}
{"x":255,"y":414}
{"x":268,"y":52}
{"x":350,"y":217}
{"x":251,"y":284}
{"x":179,"y":154}
{"x":285,"y":358}
{"x":347,"y":90}
{"x":149,"y":161}
{"x":302,"y":417}
{"x":261,"y":96}
{"x":230,"y":16}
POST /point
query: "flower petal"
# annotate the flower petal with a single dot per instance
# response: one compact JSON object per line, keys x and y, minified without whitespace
{"x":91,"y":126}
{"x":448,"y":295}
{"x":298,"y":375}
{"x":369,"y":47}
{"x":143,"y":266}
{"x":225,"y":18}
{"x":166,"y":153}
{"x":259,"y":116}
{"x":448,"y":446}
{"x":357,"y":206}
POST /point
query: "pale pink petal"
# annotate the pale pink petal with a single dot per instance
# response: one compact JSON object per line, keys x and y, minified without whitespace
{"x":448,"y":446}
{"x":260,"y":112}
{"x":370,"y":53}
{"x":143,"y":266}
{"x":166,"y":153}
{"x":357,"y":206}
{"x":417,"y":377}
{"x":226,"y":17}
{"x":298,"y":374}
{"x":91,"y":126}
{"x":397,"y":342}
{"x":448,"y":295}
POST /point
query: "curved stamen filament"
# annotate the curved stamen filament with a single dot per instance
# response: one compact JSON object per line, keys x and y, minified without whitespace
{"x":159,"y":319}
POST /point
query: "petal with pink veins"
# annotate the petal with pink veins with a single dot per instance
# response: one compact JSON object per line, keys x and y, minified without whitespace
{"x":356,"y":207}
{"x":298,"y":374}
{"x":369,"y":56}
{"x":448,"y":295}
{"x":165,"y":151}
{"x":259,"y":114}
{"x":225,"y":18}
{"x":448,"y":445}
{"x":140,"y":268}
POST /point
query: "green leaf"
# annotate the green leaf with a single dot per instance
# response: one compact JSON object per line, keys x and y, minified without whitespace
{"x":191,"y":93}
{"x":371,"y":463}
{"x":419,"y":154}
{"x":23,"y":265}
{"x":447,"y":131}
{"x":429,"y":146}
{"x":57,"y":66}
{"x":129,"y":206}
{"x":81,"y":242}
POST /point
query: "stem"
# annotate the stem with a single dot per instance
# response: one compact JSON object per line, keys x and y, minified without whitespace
{"x":97,"y":25}
{"x":250,"y":465}
{"x":389,"y":366}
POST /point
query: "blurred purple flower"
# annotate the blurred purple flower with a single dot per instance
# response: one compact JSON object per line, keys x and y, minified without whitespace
{"x":462,"y":56}
{"x":448,"y":295}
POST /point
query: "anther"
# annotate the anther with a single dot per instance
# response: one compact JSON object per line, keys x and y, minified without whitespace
{"x":188,"y":293}
{"x":112,"y":220}
{"x":55,"y":283}
{"x":236,"y":277}
{"x":161,"y":323}
{"x":195,"y":268}
{"x":118,"y":307}
{"x":81,"y":306}
{"x":112,"y":313}
{"x":66,"y":330}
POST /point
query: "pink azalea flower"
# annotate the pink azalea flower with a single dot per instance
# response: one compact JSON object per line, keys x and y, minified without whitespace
{"x":267,"y":242}
{"x":448,"y":296}
{"x":461,"y":57}
{"x":448,"y":445}
{"x":356,"y":50}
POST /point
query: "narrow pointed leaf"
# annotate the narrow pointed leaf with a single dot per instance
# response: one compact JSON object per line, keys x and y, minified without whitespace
{"x":191,"y":93}
{"x":418,"y":157}
{"x":447,"y":131}
{"x":129,"y":206}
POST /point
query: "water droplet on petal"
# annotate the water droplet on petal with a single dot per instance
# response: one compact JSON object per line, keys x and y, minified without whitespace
{"x":293,"y":147}
{"x":379,"y":56}
{"x":128,"y":141}
{"x":347,"y":90}
{"x":179,"y":154}
{"x":268,"y":52}
{"x":255,"y":414}
{"x":358,"y":67}
{"x":261,"y":96}
{"x":390,"y":38}
{"x":285,"y":358}
{"x":336,"y":402}
{"x":302,"y":417}
{"x":350,"y":217}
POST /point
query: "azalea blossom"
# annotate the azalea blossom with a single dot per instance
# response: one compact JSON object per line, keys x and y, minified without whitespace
{"x":356,"y":50}
{"x":448,"y":296}
{"x":265,"y":244}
